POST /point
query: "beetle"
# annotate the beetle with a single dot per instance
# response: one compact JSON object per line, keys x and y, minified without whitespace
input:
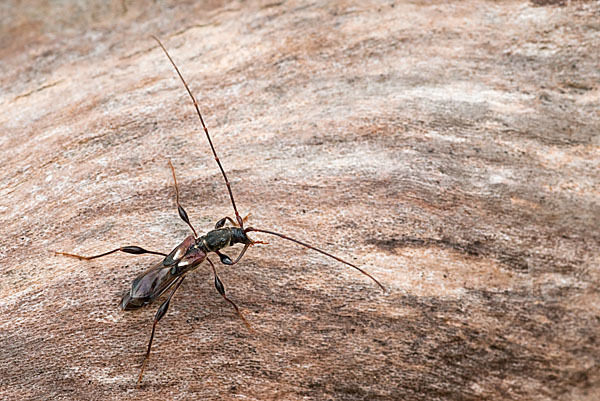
{"x":168,"y":274}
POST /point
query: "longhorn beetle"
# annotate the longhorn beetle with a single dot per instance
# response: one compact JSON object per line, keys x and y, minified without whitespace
{"x":169,"y":273}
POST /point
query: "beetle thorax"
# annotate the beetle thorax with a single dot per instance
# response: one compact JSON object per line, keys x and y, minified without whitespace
{"x":216,"y":240}
{"x":220,"y":238}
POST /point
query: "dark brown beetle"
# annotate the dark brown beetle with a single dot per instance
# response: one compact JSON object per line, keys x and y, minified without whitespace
{"x":187,"y":256}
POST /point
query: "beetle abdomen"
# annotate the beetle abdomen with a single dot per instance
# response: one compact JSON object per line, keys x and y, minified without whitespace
{"x":128,"y":303}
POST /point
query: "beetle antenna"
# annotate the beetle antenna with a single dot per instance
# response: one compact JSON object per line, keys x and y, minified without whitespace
{"x":237,"y":215}
{"x":250,"y":229}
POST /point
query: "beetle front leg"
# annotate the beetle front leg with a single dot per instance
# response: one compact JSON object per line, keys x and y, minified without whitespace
{"x":226,"y":260}
{"x":221,"y":288}
{"x":221,"y":222}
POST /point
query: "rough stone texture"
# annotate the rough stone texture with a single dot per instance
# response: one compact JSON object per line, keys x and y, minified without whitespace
{"x":451,"y":150}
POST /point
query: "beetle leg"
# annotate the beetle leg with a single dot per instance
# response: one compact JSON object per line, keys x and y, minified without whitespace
{"x":136,"y":250}
{"x":221,"y":288}
{"x":182,"y":213}
{"x":159,"y":315}
{"x":226,"y":260}
{"x":221,"y":222}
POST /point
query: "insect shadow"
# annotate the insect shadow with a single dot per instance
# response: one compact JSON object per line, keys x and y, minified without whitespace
{"x":168,"y":274}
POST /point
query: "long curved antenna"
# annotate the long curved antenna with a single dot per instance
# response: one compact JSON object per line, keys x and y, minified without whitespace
{"x":250,"y":229}
{"x":237,"y":215}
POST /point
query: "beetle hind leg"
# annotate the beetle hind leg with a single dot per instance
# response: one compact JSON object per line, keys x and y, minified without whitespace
{"x":162,"y":311}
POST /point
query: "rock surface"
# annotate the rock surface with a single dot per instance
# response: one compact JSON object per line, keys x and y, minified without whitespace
{"x":450,"y":150}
